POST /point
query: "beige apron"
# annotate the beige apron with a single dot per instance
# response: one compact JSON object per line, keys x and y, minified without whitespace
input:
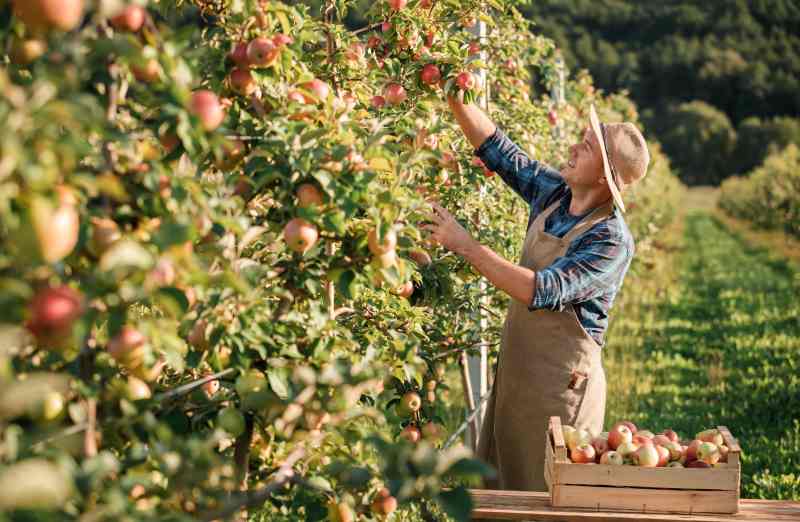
{"x":548,"y":365}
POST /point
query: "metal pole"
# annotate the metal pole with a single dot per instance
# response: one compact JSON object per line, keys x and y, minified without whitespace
{"x":478,"y":364}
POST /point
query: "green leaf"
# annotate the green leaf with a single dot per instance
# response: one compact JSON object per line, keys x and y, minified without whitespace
{"x":279,"y":382}
{"x":456,"y":502}
{"x":172,"y":233}
{"x":471,"y":467}
{"x":173,"y":299}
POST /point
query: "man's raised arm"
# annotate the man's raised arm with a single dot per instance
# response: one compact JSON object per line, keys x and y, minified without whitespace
{"x":476,"y":125}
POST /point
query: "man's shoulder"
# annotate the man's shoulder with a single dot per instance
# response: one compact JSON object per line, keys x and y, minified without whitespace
{"x":615,"y":231}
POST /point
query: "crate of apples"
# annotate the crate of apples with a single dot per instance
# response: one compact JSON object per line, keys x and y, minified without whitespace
{"x":639,"y":469}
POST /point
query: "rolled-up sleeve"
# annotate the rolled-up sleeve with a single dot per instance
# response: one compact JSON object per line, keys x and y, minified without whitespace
{"x":529,"y":178}
{"x":594,"y":265}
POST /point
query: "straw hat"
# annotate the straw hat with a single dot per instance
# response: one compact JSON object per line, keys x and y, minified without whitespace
{"x":625,"y":155}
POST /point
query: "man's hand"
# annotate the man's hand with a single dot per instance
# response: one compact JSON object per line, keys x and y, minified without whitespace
{"x":446,"y":231}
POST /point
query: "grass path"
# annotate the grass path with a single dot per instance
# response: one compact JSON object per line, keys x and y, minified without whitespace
{"x":712,"y":336}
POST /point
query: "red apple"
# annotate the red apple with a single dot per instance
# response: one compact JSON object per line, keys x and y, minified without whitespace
{"x":206,"y":106}
{"x":318,"y":88}
{"x":129,"y":19}
{"x":396,"y":5}
{"x":712,"y":435}
{"x":242,"y":81}
{"x":465,"y":80}
{"x":641,"y":440}
{"x":411,"y":433}
{"x":612,"y":458}
{"x":671,"y":435}
{"x":663,"y":455}
{"x":210,"y":388}
{"x":661,"y":440}
{"x":647,"y":456}
{"x":691,"y":450}
{"x":128,"y":347}
{"x":197,"y":336}
{"x":675,"y":450}
{"x":411,"y":402}
{"x":420,"y":257}
{"x":147,"y":70}
{"x":386,"y":244}
{"x":627,"y":448}
{"x":474,"y":47}
{"x":430,"y":74}
{"x":238,"y":55}
{"x":262,"y":52}
{"x":394,"y":93}
{"x":600,"y":445}
{"x":43,"y":15}
{"x":378,"y":102}
{"x":384,"y":503}
{"x":619,"y":434}
{"x":583,"y":454}
{"x":355,"y":52}
{"x":281,"y":39}
{"x":552,"y":117}
{"x":300,"y":235}
{"x":308,"y":195}
{"x":296,"y":96}
{"x":405,"y":290}
{"x":52,"y":312}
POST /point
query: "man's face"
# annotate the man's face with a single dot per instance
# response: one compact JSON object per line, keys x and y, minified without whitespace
{"x":584,"y":166}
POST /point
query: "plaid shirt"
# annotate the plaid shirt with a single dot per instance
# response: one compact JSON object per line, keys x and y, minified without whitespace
{"x":590,"y":274}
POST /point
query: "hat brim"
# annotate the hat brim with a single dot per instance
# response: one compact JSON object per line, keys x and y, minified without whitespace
{"x":595,"y":122}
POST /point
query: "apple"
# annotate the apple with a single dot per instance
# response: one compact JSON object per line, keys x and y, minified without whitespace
{"x":296,"y":96}
{"x":383,"y":503}
{"x":128,"y":347}
{"x":52,"y":313}
{"x":430,"y":74}
{"x":210,"y":388}
{"x":552,"y":117}
{"x":300,"y":235}
{"x":612,"y":458}
{"x":42,"y":15}
{"x":641,"y":440}
{"x":631,"y":426}
{"x":583,"y":453}
{"x":698,"y":464}
{"x":281,"y":39}
{"x":619,"y":434}
{"x":661,"y":440}
{"x":627,"y":448}
{"x":675,"y":450}
{"x":242,"y":81}
{"x":147,"y":71}
{"x":129,"y":19}
{"x":708,"y":452}
{"x":318,"y":88}
{"x":136,"y":389}
{"x":309,"y":196}
{"x":25,"y":51}
{"x":675,"y":464}
{"x":163,"y":274}
{"x":355,"y":52}
{"x":394,"y":93}
{"x":465,"y":80}
{"x":684,"y":454}
{"x":411,"y":402}
{"x":405,"y":290}
{"x":206,"y":106}
{"x":600,"y":445}
{"x":396,"y":5}
{"x":238,"y":55}
{"x":691,"y":450}
{"x":231,"y":420}
{"x":411,"y":433}
{"x":262,"y":52}
{"x":56,"y":229}
{"x":420,"y":257}
{"x":340,"y":512}
{"x":383,"y":246}
{"x":197,"y":336}
{"x":433,"y":431}
{"x":647,"y":456}
{"x":663,"y":455}
{"x":712,"y":435}
{"x":105,"y":233}
{"x":645,"y":433}
{"x":671,"y":435}
{"x":474,"y":47}
{"x":580,"y":436}
{"x":568,"y":432}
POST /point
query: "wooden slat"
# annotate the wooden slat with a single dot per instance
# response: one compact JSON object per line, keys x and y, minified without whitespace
{"x":558,"y":439}
{"x":721,"y":478}
{"x":730,"y":441}
{"x":644,"y":500}
{"x":524,"y":505}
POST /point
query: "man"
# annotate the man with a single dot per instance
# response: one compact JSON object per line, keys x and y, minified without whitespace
{"x":574,"y":258}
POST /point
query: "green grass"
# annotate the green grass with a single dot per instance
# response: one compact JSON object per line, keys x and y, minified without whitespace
{"x":710,"y":336}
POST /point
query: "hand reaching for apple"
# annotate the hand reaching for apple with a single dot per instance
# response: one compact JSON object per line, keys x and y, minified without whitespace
{"x":446,"y":231}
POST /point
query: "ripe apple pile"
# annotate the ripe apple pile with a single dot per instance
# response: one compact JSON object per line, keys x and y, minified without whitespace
{"x":625,"y":444}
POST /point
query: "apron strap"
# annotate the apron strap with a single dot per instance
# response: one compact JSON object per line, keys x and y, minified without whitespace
{"x":594,"y":217}
{"x":542,"y":217}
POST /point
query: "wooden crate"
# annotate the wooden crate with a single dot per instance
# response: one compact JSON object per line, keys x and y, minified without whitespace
{"x":643,"y":490}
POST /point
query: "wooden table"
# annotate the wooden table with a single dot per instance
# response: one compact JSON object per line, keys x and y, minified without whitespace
{"x":524,"y":505}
